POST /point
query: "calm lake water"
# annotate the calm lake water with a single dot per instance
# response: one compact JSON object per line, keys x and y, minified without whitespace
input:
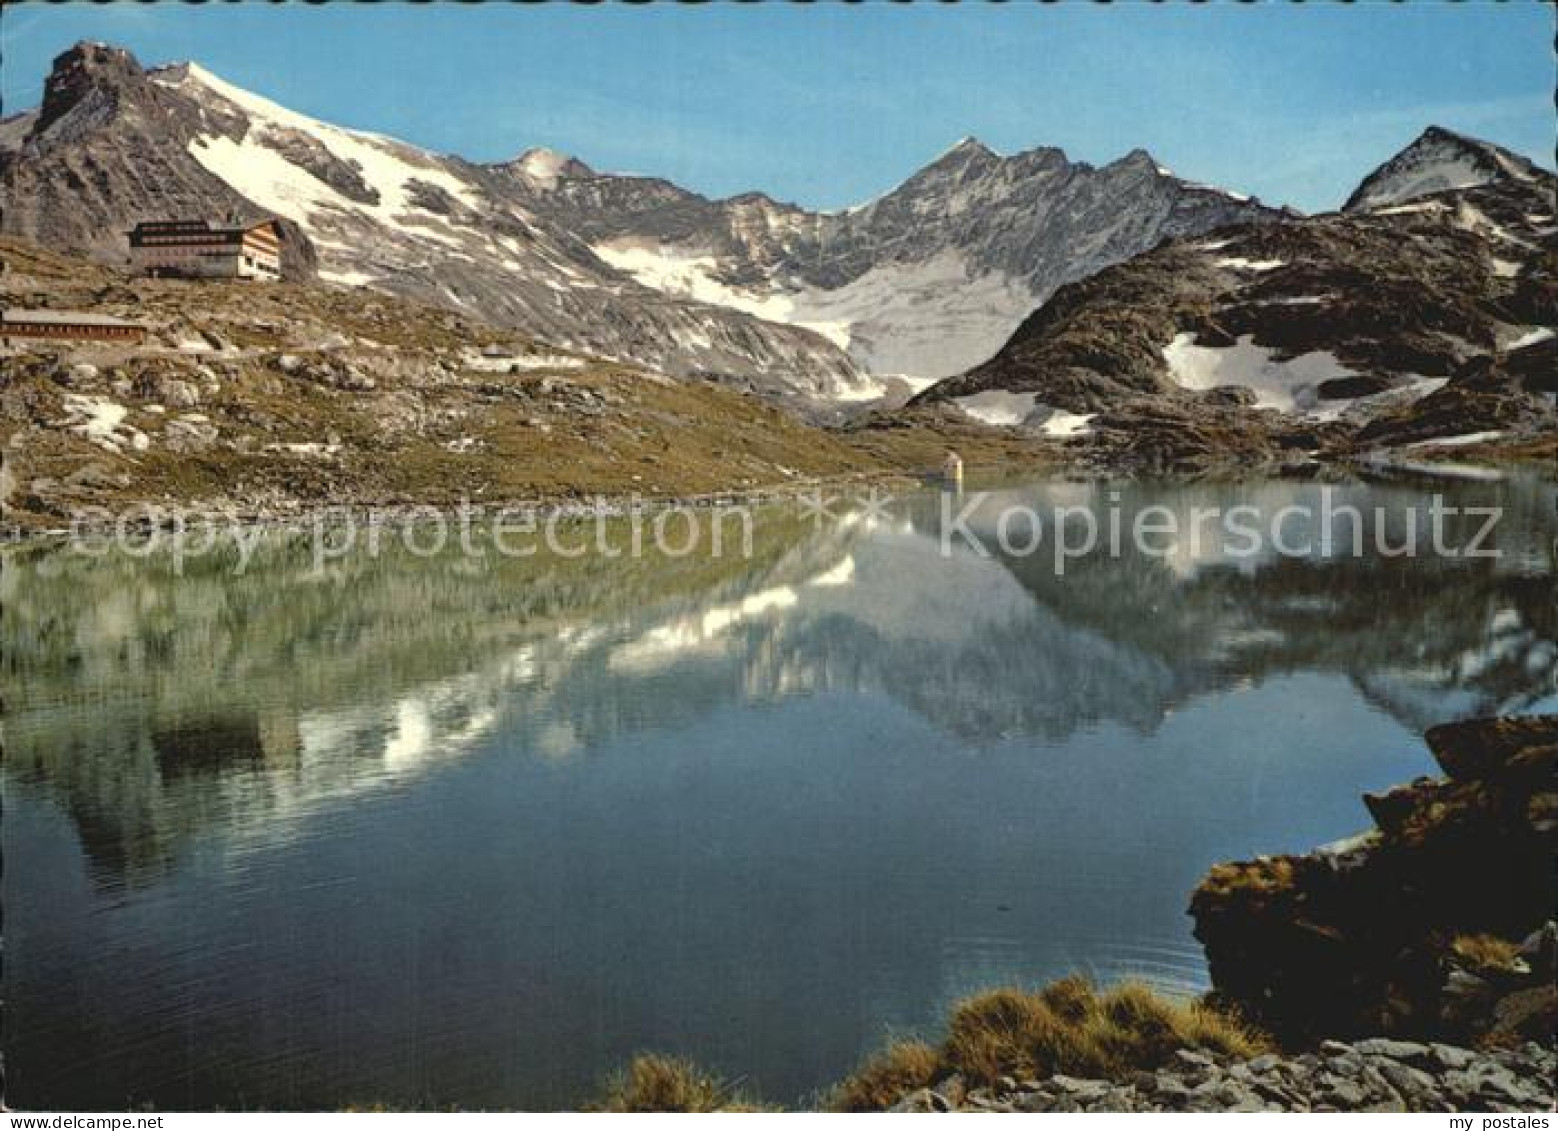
{"x":444,"y":832}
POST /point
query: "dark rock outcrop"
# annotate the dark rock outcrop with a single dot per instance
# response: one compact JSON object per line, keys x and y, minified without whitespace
{"x":1508,"y":393}
{"x":1379,"y":934}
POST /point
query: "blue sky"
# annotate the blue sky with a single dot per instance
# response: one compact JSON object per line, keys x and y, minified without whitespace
{"x":831,"y":105}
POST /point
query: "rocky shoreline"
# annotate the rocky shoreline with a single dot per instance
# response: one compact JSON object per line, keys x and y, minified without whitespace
{"x":1432,"y":925}
{"x":1376,"y":1075}
{"x":299,"y":515}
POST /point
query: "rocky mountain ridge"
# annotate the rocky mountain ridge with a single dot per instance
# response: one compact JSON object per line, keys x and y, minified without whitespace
{"x":1429,"y":317}
{"x":1421,"y":318}
{"x":113,"y":143}
{"x":925,"y":280}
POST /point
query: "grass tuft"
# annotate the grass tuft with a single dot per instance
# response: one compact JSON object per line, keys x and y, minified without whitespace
{"x":1267,"y":876}
{"x":1071,"y":998}
{"x":901,"y":1068}
{"x":1069,"y":1028}
{"x":662,"y":1083}
{"x":1486,"y":954}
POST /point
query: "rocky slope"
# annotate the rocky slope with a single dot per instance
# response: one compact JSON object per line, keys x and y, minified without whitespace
{"x":112,"y":143}
{"x":926,"y":280}
{"x":1406,"y":319}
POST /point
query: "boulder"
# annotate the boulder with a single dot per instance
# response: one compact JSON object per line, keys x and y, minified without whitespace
{"x":1391,"y":809}
{"x":1351,"y":388}
{"x":186,"y":435}
{"x":178,"y":394}
{"x":1308,"y":948}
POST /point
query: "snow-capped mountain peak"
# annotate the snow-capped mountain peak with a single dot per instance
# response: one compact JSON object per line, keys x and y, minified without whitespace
{"x":926,"y":280}
{"x":929,"y":278}
{"x":964,"y":149}
{"x":1322,"y":324}
{"x":544,"y":167}
{"x":296,"y":166}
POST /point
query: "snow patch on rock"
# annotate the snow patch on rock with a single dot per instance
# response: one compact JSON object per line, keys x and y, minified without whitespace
{"x":502,"y":362}
{"x":925,"y":319}
{"x":677,"y":271}
{"x":348,"y":278}
{"x":1002,"y":409}
{"x":1241,"y":264}
{"x":1423,"y":168}
{"x":997,"y":407}
{"x":1065,"y":425}
{"x":1287,"y":385}
{"x":1460,"y":440}
{"x":103,"y":422}
{"x":1530,"y":338}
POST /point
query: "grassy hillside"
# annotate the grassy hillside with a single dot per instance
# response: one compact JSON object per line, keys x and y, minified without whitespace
{"x":271,"y":398}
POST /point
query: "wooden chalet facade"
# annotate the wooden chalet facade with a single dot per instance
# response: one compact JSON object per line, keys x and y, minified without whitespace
{"x":68,"y":326}
{"x":194,"y":249}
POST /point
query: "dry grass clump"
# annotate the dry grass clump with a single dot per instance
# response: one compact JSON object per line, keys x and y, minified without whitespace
{"x":1012,"y":1033}
{"x":662,"y":1083}
{"x":901,"y":1068}
{"x":1136,"y":1029}
{"x":1072,"y":998}
{"x":1267,"y":875}
{"x":1485,"y":953}
{"x":1067,"y":1028}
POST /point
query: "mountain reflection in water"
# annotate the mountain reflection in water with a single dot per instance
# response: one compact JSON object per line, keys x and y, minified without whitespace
{"x":472,"y":832}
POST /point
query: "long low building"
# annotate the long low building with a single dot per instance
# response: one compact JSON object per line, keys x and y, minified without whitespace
{"x":194,"y":249}
{"x":69,"y":325}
